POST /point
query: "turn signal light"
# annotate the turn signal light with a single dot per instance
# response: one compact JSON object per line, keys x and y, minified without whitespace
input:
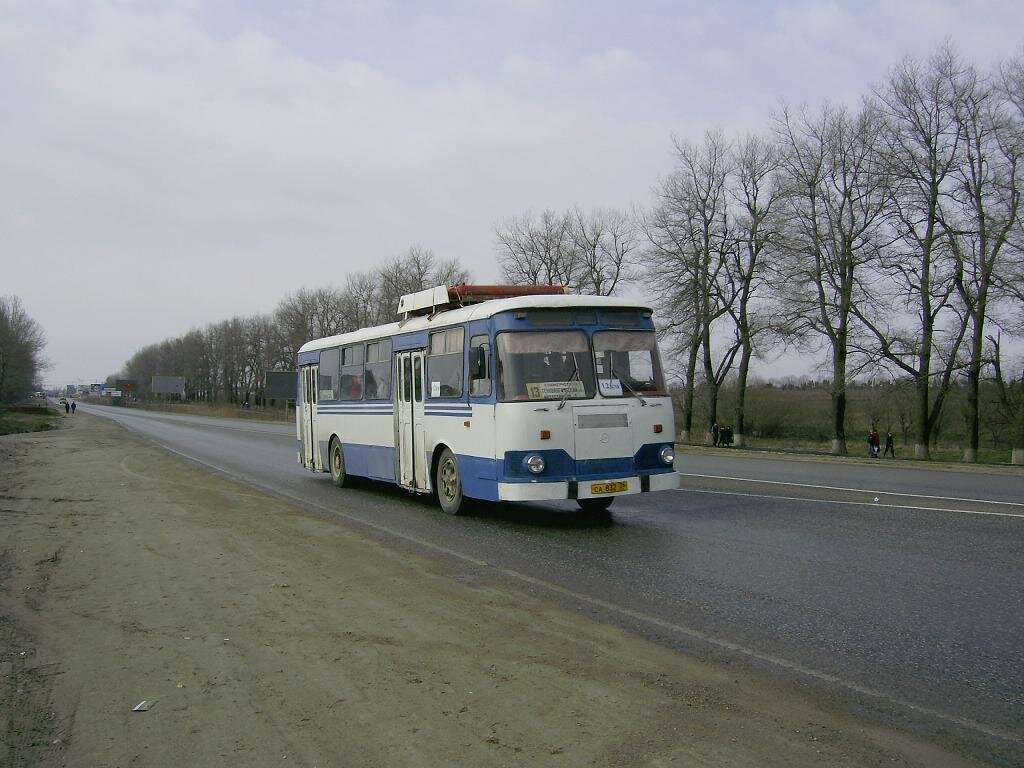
{"x":657,"y":429}
{"x":545,"y":434}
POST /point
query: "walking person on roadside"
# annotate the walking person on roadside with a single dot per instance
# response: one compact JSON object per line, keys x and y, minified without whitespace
{"x":73,"y":406}
{"x":874,"y":443}
{"x":890,"y":445}
{"x":67,"y":408}
{"x":714,"y":434}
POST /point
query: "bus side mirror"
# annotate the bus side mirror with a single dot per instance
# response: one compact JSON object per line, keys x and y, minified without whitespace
{"x":477,"y":363}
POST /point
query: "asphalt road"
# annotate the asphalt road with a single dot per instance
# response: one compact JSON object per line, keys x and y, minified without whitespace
{"x":897,"y":590}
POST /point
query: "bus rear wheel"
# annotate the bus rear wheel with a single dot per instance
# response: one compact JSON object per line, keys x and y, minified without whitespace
{"x":448,"y":483}
{"x":596,"y":506}
{"x":337,"y":458}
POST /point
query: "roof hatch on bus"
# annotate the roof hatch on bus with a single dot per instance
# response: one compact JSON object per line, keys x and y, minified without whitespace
{"x":444,"y":297}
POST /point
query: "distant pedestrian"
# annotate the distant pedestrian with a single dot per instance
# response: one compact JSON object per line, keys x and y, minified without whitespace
{"x":874,"y":443}
{"x":890,"y":445}
{"x":67,"y":408}
{"x":714,"y":434}
{"x":73,"y":406}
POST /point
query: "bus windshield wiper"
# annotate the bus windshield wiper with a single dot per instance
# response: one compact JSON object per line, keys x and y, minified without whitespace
{"x":575,"y":373}
{"x":636,"y":394}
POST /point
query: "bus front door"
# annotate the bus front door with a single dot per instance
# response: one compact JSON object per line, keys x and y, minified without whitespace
{"x":412,"y":461}
{"x":309,"y":386}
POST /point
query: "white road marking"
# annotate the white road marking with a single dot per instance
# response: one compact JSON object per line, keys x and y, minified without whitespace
{"x":852,"y":490}
{"x":856,"y":503}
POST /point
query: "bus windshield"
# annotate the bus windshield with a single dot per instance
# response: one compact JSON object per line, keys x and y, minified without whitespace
{"x":628,"y":364}
{"x":544,"y":365}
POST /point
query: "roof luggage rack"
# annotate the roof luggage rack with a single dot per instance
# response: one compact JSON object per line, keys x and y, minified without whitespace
{"x":434,"y":300}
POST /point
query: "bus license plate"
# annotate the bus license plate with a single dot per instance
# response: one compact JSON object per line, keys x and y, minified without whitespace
{"x":618,"y":485}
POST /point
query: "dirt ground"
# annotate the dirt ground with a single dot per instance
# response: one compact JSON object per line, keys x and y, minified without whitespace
{"x":268,"y":637}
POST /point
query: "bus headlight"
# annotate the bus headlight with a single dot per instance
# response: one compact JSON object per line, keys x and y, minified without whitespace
{"x":535,"y":463}
{"x":667,"y":454}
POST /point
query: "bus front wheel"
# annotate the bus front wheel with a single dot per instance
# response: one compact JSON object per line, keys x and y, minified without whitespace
{"x":337,"y":457}
{"x":448,"y":483}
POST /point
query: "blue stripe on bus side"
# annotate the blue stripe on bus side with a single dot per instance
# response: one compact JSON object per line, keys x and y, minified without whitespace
{"x":356,"y":408}
{"x":373,"y":461}
{"x":343,"y":412}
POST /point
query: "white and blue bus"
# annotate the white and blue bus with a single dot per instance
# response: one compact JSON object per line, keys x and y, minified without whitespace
{"x":501,"y":393}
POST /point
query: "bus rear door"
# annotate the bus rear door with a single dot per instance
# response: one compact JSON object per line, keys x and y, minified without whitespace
{"x":412,"y":469}
{"x":307,"y":421}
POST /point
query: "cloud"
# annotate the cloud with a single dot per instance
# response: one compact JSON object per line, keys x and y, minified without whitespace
{"x":719,"y":60}
{"x":818,"y":21}
{"x":177,"y":164}
{"x":613,"y":61}
{"x":518,"y":69}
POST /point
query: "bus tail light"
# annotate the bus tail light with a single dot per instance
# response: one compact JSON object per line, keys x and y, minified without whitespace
{"x":657,"y":429}
{"x":535,"y":463}
{"x":545,"y":434}
{"x":667,"y":454}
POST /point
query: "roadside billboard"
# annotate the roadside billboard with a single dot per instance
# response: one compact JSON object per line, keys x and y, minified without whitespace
{"x":280,"y":385}
{"x":169,"y":385}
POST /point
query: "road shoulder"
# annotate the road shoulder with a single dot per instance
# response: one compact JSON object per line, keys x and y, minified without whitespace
{"x":267,"y":636}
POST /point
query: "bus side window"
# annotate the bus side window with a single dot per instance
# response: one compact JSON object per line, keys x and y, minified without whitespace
{"x":479,"y":366}
{"x":378,"y":370}
{"x":329,"y":361}
{"x":351,"y":373}
{"x":445,"y":363}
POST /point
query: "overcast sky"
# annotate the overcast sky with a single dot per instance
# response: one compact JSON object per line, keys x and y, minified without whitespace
{"x":167,"y":165}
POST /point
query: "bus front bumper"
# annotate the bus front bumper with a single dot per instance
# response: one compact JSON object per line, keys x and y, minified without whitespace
{"x":587,"y":489}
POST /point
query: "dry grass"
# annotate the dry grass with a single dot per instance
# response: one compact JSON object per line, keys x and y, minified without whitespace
{"x":13,"y":422}
{"x":219,"y":410}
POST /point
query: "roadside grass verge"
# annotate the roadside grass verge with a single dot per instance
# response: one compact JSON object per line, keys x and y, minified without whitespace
{"x":942,"y":455}
{"x":16,"y":420}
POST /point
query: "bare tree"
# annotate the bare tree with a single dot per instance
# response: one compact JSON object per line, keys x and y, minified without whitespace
{"x":835,"y":201}
{"x":587,"y":251}
{"x":756,"y":193}
{"x":666,"y":272}
{"x":922,"y":146}
{"x":689,"y":252}
{"x":258,"y":356}
{"x":308,"y":313}
{"x":982,"y":214}
{"x":1010,"y":391}
{"x":1009,"y":279}
{"x":603,"y":242}
{"x":415,"y":270}
{"x":704,"y":170}
{"x":362,"y":303}
{"x":536,"y":251}
{"x":21,"y":344}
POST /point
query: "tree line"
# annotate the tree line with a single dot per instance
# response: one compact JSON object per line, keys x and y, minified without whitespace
{"x":226,"y":361}
{"x":888,"y":235}
{"x":885,"y":238}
